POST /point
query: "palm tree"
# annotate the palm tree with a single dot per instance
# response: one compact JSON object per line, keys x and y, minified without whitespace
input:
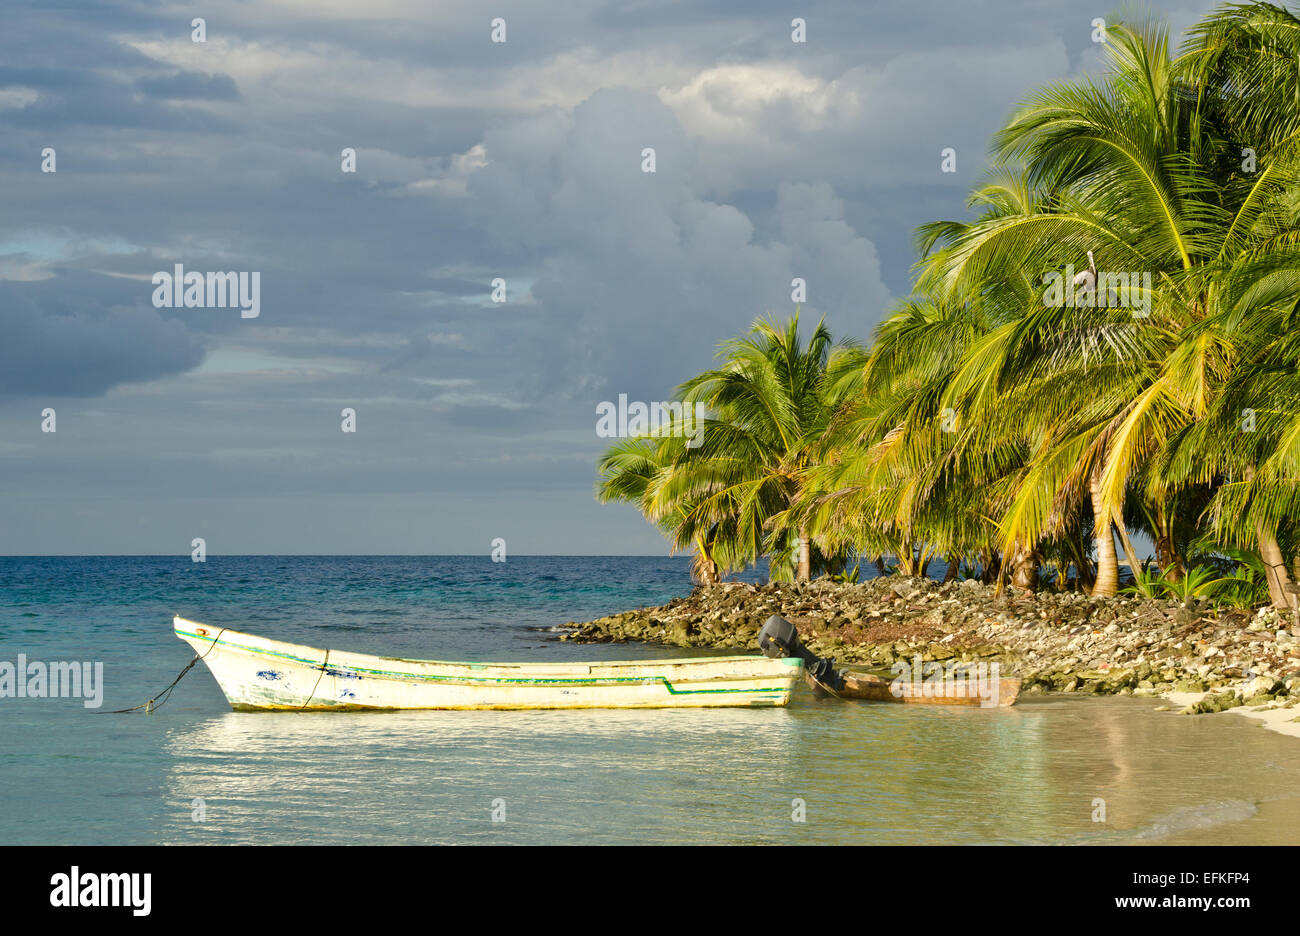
{"x":769,"y":403}
{"x":994,"y":425}
{"x":1134,"y":169}
{"x":1246,"y":447}
{"x":632,"y":470}
{"x":890,"y":476}
{"x":731,"y":497}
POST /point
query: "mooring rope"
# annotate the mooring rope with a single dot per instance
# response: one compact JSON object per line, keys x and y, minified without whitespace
{"x":163,"y":696}
{"x":824,"y":687}
{"x":323,"y":666}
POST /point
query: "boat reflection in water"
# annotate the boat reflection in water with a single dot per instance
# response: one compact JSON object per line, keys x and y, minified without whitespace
{"x":434,"y":776}
{"x":885,"y":774}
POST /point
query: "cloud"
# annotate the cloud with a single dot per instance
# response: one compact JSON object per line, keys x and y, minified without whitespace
{"x":185,"y":85}
{"x":640,"y":274}
{"x":65,"y":343}
{"x":476,"y":160}
{"x":868,"y":124}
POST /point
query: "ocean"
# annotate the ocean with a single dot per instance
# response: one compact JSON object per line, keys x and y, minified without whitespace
{"x":1055,"y":769}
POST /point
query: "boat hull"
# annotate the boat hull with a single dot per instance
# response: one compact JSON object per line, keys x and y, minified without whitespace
{"x":994,"y":693}
{"x":261,"y":675}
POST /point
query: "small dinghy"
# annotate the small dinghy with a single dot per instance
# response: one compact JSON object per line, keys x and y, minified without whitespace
{"x":257,"y":675}
{"x":979,"y":684}
{"x":964,"y":690}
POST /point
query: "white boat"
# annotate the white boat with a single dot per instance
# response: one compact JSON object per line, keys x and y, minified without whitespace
{"x":257,"y":674}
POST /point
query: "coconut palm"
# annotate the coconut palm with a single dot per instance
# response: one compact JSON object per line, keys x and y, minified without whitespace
{"x":889,"y":477}
{"x":731,"y":496}
{"x":1133,"y":168}
{"x":633,"y":470}
{"x":1246,"y":447}
{"x":1013,"y":415}
{"x":769,"y":404}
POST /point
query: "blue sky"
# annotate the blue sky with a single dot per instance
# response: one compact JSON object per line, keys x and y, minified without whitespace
{"x":475,"y":161}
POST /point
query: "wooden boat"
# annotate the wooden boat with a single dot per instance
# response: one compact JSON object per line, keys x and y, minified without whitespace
{"x":991,"y":693}
{"x":965,"y":684}
{"x":257,"y":674}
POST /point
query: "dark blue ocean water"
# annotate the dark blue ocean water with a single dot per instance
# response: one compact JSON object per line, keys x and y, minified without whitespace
{"x":195,"y":772}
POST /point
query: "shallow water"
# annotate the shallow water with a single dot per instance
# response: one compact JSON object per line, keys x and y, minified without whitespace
{"x":1033,"y":773}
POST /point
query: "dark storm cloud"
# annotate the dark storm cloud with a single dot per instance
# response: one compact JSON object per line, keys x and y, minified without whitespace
{"x":76,"y":343}
{"x":474,"y":161}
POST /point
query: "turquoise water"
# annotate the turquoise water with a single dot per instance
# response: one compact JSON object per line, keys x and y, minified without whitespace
{"x":854,"y":773}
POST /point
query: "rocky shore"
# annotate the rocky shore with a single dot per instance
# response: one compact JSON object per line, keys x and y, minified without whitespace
{"x":1209,"y":657}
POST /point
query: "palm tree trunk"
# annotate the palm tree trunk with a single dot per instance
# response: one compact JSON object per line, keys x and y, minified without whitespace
{"x":804,"y":572}
{"x":1274,"y":563}
{"x":992,"y":567}
{"x":1107,"y":581}
{"x":1167,"y":558}
{"x":1134,"y":566}
{"x":1085,"y":576}
{"x":706,"y":569}
{"x":1274,"y":568}
{"x":1086,"y":572}
{"x":1024,"y":568}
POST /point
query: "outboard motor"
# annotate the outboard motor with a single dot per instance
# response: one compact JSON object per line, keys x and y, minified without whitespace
{"x":778,"y":638}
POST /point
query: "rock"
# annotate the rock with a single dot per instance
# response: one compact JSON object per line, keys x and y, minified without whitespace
{"x":1263,"y":684}
{"x":1063,"y":641}
{"x":1217,"y":702}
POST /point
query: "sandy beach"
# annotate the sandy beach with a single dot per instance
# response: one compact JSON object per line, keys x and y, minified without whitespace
{"x":1281,"y":718}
